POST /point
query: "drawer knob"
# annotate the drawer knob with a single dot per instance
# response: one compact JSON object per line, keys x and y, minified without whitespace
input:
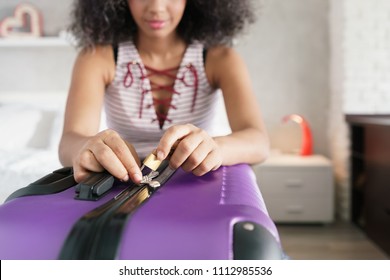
{"x":295,"y":209}
{"x":293,"y":183}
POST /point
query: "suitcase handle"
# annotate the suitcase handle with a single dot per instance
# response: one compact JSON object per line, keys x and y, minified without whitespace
{"x":55,"y":182}
{"x":95,"y":186}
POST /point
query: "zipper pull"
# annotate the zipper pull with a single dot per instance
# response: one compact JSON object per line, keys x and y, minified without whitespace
{"x":148,"y":180}
{"x":151,"y":163}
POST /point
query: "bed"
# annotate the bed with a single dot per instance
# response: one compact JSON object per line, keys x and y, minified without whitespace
{"x":31,"y":126}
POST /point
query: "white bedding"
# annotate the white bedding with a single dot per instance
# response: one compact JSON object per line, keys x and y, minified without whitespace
{"x":20,"y":168}
{"x":30,"y":127}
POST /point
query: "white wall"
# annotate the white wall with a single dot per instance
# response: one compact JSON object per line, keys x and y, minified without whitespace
{"x":41,"y":69}
{"x":338,"y":129}
{"x":37,"y":68}
{"x":366,"y":45}
{"x":287,"y":52}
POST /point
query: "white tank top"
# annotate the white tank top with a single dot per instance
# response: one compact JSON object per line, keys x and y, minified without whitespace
{"x":129,"y":104}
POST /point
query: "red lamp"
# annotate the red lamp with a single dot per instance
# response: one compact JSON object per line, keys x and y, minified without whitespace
{"x":307,"y":139}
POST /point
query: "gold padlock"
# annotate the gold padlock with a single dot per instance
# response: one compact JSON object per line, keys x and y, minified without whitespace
{"x":152,"y":162}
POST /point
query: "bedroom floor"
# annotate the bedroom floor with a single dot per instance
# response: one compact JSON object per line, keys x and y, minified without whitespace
{"x":337,"y":241}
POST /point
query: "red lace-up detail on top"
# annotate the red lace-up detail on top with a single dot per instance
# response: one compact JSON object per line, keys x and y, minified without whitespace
{"x":166,"y":102}
{"x":196,"y":100}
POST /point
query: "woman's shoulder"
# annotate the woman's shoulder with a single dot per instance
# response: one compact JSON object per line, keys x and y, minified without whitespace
{"x":97,"y":52}
{"x":221,"y":54}
{"x":220,"y":59}
{"x":99,"y":58}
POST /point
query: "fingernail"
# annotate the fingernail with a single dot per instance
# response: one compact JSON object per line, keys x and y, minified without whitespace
{"x":160,"y":155}
{"x":137,"y":177}
{"x":126,"y":178}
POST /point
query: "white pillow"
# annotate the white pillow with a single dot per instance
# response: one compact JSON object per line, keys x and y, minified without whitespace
{"x":18,"y":123}
{"x":18,"y":168}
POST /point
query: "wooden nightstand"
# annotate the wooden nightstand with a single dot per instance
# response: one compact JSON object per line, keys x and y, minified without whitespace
{"x":370,"y":176}
{"x":297,"y":189}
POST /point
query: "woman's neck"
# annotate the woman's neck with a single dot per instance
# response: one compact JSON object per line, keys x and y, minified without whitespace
{"x":161,"y":52}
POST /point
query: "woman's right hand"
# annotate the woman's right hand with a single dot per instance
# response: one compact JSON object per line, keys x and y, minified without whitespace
{"x":107,"y":151}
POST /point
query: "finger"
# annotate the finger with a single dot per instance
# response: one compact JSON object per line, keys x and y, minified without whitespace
{"x":85,"y":164}
{"x":88,"y":161}
{"x":208,"y":164}
{"x":107,"y":158}
{"x":170,"y":139}
{"x":80,"y":174}
{"x":134,"y":153}
{"x":197,"y":157}
{"x":124,"y":153}
{"x":185,"y":149}
{"x":137,"y":175}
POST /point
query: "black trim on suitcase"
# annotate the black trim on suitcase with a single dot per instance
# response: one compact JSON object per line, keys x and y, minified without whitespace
{"x":98,"y":233}
{"x":81,"y":239}
{"x":107,"y":246}
{"x":252,"y":241}
{"x":55,"y":182}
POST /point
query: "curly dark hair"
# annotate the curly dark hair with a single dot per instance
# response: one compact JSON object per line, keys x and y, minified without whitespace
{"x":109,"y":22}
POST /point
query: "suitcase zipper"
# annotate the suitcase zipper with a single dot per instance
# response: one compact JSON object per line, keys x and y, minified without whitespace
{"x":107,"y":244}
{"x":106,"y":239}
{"x":83,"y":233}
{"x":97,"y":234}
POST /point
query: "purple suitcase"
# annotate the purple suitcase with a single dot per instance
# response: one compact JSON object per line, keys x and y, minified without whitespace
{"x":217,"y":216}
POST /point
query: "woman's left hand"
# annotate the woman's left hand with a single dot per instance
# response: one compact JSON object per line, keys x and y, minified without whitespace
{"x":194,"y":149}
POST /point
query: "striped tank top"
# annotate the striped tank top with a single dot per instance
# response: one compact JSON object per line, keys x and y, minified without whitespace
{"x":129,"y":103}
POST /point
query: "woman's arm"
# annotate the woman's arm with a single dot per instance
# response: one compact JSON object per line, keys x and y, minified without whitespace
{"x":248,"y":142}
{"x":81,"y":145}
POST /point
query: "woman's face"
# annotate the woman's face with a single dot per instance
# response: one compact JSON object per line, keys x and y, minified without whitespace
{"x":157,"y":18}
